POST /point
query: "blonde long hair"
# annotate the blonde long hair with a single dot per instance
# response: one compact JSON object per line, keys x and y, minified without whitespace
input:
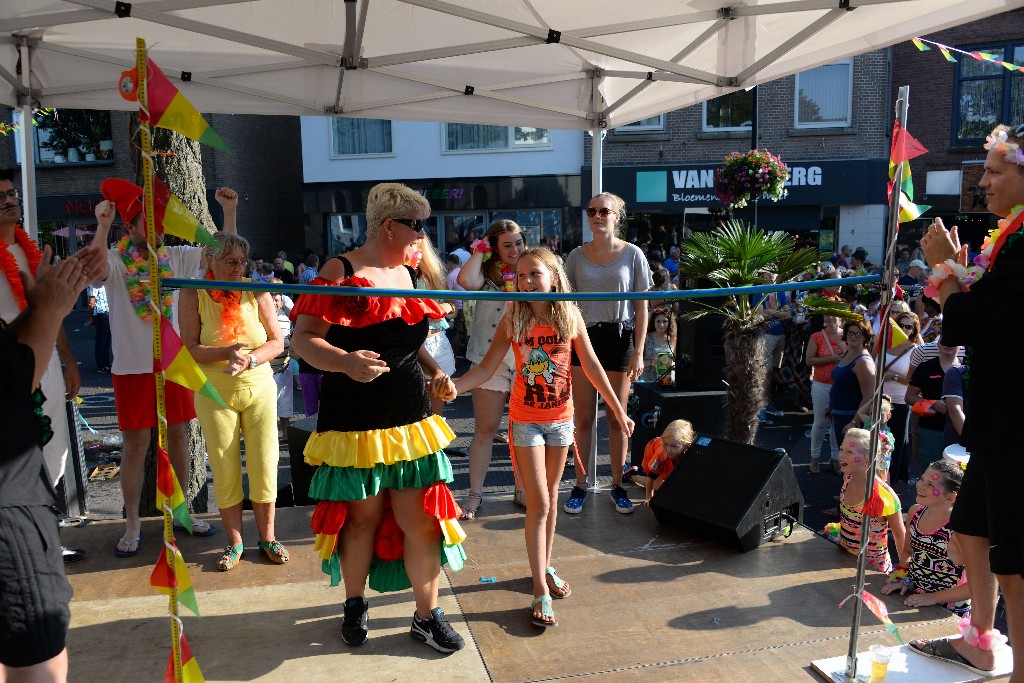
{"x":520,"y":318}
{"x":431,"y":271}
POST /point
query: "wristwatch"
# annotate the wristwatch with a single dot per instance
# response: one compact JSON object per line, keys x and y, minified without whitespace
{"x":253,"y":362}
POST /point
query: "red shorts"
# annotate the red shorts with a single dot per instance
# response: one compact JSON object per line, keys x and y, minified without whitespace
{"x":135,"y":402}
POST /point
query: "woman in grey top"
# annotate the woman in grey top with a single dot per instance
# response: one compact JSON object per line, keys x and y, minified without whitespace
{"x":617,"y":329}
{"x":491,"y":267}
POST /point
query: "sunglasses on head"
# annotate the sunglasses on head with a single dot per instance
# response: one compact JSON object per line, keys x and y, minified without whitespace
{"x":416,"y":224}
{"x":603,"y":211}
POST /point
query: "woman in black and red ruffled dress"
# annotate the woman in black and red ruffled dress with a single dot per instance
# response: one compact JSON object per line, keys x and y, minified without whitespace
{"x":385,"y":511}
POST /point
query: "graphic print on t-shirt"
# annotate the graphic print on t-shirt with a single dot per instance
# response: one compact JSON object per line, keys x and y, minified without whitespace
{"x":542,"y":391}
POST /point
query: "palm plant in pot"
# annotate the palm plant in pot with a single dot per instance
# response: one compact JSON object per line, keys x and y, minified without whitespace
{"x":737,"y":254}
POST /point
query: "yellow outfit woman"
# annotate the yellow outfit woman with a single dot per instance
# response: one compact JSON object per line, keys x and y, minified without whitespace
{"x":251,"y":398}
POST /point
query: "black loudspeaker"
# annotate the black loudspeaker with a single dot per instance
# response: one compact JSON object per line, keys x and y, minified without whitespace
{"x":657,"y":406}
{"x":731,"y":493}
{"x":301,"y":473}
{"x":699,"y":352}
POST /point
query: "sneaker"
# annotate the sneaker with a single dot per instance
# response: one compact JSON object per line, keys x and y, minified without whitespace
{"x":72,"y":554}
{"x":773,"y":411}
{"x":622,"y":502}
{"x":574,"y":505}
{"x":353,"y":627}
{"x":762,"y":417}
{"x":436,"y":632}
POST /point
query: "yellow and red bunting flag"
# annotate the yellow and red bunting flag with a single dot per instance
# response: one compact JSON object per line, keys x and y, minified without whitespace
{"x":877,"y":608}
{"x":190,"y":672}
{"x":179,"y":366}
{"x":168,"y":108}
{"x":168,"y":491}
{"x":165,"y":578}
{"x":174,"y":218}
{"x":904,"y":148}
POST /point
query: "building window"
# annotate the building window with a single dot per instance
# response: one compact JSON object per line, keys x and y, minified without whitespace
{"x":70,"y":136}
{"x":824,"y":96}
{"x":654,"y":124}
{"x":734,"y":111}
{"x":471,"y":137}
{"x":360,"y":137}
{"x":987,"y":94}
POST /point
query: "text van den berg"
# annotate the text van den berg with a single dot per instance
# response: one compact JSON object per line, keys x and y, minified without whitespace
{"x":705,"y":178}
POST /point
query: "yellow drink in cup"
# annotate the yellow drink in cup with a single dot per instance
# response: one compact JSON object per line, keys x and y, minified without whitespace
{"x":880,"y":656}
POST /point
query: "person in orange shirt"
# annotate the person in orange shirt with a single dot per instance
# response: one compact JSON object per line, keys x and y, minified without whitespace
{"x":661,"y":456}
{"x":541,"y":407}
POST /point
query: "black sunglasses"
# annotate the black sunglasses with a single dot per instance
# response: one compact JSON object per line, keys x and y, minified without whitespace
{"x":591,"y":211}
{"x":416,"y":224}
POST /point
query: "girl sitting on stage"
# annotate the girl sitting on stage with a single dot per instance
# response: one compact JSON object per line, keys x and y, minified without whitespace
{"x":882,"y":504}
{"x":541,"y":406}
{"x":661,"y":456}
{"x":935,"y":575}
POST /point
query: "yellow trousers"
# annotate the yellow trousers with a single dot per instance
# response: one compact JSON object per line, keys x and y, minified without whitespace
{"x":252,"y":412}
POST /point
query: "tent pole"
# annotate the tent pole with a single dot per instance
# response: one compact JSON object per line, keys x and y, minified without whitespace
{"x":596,"y":187}
{"x":28,"y":157}
{"x":885,"y":333}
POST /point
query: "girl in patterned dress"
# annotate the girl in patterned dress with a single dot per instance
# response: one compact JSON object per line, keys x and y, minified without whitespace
{"x":882,"y":505}
{"x":935,"y":575}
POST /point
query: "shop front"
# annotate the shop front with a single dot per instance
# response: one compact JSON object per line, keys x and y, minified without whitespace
{"x":668,"y":203}
{"x":68,"y":221}
{"x":546,"y":207}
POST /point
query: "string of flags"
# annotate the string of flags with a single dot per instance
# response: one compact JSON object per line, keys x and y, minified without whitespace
{"x":37,"y":114}
{"x":947,"y":52}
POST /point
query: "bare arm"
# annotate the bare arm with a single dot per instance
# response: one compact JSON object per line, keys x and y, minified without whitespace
{"x":72,"y":377}
{"x":471,"y":277}
{"x":228,"y":200}
{"x":191,"y":326}
{"x":105,"y":212}
{"x":865,"y":373}
{"x":636,"y":362}
{"x":482,"y":372}
{"x":899,"y":531}
{"x":274,"y":345}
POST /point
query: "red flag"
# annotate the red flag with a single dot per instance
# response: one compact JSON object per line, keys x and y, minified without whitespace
{"x":190,"y":672}
{"x":904,"y":145}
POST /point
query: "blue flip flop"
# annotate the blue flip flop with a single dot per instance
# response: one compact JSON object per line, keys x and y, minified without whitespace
{"x":137,"y":542}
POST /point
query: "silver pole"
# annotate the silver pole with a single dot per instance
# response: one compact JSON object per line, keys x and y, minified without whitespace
{"x":27,"y":146}
{"x":884,"y":331}
{"x":596,"y":187}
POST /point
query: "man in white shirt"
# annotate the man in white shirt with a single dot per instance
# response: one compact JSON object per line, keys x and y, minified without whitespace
{"x":126,"y":278}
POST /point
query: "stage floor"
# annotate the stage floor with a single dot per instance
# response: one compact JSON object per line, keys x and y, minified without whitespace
{"x":647,"y":602}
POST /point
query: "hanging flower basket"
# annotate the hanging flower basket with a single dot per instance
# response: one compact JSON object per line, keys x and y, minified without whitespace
{"x":748,"y":175}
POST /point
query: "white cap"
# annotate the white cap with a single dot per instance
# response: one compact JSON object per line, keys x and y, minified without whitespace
{"x":919,"y":263}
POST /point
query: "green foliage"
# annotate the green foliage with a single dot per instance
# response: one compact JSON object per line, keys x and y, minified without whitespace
{"x":75,"y":128}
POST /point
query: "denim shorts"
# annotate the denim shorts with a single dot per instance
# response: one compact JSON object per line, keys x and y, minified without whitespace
{"x":527,"y":434}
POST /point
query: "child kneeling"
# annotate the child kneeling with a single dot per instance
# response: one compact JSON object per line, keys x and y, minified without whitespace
{"x":662,"y":455}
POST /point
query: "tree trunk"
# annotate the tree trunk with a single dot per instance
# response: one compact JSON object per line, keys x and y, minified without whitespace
{"x":179,"y":163}
{"x":743,"y":345}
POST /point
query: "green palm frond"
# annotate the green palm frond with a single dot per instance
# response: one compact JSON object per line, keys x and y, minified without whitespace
{"x":819,"y":303}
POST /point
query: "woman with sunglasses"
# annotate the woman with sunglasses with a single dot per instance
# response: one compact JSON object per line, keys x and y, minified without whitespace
{"x":234,"y":336}
{"x":853,"y":378}
{"x":617,"y":330}
{"x":896,"y":377}
{"x":491,"y":267}
{"x":381,"y":470}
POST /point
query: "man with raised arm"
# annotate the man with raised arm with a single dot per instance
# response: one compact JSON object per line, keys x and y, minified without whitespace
{"x":126,"y":277}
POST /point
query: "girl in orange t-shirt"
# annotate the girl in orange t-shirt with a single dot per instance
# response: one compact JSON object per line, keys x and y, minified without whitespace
{"x":540,"y":408}
{"x":662,"y":454}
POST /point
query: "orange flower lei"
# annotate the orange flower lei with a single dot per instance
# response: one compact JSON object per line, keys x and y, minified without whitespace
{"x":231,"y":323}
{"x":9,"y":264}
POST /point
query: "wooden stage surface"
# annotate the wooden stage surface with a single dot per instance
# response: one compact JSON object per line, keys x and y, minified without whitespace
{"x":648,"y":602}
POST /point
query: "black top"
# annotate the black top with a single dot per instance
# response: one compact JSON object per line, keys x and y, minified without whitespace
{"x":987,"y":322}
{"x":928,"y":378}
{"x":23,"y":479}
{"x":398,"y":397}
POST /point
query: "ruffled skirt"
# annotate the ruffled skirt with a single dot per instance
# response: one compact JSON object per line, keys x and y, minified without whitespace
{"x":357,"y":465}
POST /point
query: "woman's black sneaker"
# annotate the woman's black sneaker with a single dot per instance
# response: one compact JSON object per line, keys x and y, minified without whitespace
{"x":353,"y":627}
{"x":436,"y":632}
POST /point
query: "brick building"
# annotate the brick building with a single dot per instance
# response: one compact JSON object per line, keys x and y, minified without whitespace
{"x":952,"y":109}
{"x":264,"y":166}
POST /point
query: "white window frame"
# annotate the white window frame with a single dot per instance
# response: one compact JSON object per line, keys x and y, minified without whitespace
{"x":719,"y":129}
{"x":639,"y":127}
{"x":511,"y":144}
{"x":849,"y":100}
{"x":372,"y":155}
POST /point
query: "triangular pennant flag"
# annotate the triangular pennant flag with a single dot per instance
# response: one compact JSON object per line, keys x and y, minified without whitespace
{"x":179,"y":366}
{"x":945,"y":53}
{"x":190,"y":672}
{"x":168,"y":108}
{"x":877,"y":608}
{"x":909,"y":210}
{"x":920,"y":46}
{"x":174,"y":218}
{"x":1009,"y":66}
{"x":896,"y":334}
{"x":168,"y":491}
{"x":905,"y":146}
{"x":165,"y":579}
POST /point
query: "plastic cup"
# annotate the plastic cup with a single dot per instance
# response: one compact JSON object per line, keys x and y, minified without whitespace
{"x":880,"y":656}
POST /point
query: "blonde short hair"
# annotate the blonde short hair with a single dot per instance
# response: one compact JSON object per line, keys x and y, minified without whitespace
{"x":228,"y":241}
{"x":680,"y":429}
{"x":391,"y":200}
